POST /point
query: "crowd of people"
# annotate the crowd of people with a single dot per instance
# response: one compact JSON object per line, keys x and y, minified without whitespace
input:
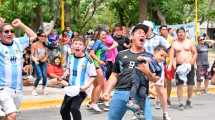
{"x":136,"y":63}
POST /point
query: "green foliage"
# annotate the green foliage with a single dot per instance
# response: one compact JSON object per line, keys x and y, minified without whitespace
{"x":126,"y":11}
{"x":23,"y":9}
{"x":109,"y":12}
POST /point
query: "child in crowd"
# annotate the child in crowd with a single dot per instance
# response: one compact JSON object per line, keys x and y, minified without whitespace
{"x":55,"y":72}
{"x":82,"y":73}
{"x":140,"y":83}
{"x":27,"y":69}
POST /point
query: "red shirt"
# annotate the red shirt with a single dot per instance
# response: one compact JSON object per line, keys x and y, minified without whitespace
{"x":53,"y":69}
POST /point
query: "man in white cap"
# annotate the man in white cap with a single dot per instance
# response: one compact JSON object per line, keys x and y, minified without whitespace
{"x":152,"y":41}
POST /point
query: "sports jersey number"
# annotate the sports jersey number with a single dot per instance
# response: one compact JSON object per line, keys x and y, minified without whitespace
{"x":131,"y":64}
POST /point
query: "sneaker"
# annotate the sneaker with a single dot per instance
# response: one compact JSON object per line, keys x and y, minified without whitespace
{"x":132,"y":105}
{"x":181,"y":107}
{"x":139,"y":115}
{"x":157,"y":105}
{"x":166,"y":117}
{"x":205,"y":92}
{"x":188,"y":104}
{"x":45,"y":93}
{"x":2,"y":114}
{"x":34,"y":92}
{"x":106,"y":106}
{"x":198,"y":93}
{"x":106,"y":109}
{"x":95,"y":107}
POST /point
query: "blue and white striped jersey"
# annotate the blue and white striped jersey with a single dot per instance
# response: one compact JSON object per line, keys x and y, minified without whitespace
{"x":11,"y":63}
{"x":80,"y":70}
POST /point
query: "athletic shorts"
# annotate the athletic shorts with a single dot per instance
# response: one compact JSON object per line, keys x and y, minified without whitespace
{"x":190,"y":77}
{"x":10,"y":100}
{"x":202,"y":73}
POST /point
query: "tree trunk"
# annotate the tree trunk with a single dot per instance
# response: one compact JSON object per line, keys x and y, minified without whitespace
{"x":161,"y":17}
{"x":67,"y":14}
{"x":37,"y":20}
{"x":143,"y":9}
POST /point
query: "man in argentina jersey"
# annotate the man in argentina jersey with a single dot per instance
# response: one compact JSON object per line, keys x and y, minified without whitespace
{"x":82,"y":73}
{"x":11,"y":60}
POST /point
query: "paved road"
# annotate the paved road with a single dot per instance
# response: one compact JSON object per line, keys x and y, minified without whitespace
{"x":203,"y":109}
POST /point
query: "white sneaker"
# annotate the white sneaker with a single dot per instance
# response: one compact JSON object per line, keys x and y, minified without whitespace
{"x":45,"y":93}
{"x":34,"y":92}
{"x":2,"y":114}
{"x":95,"y":107}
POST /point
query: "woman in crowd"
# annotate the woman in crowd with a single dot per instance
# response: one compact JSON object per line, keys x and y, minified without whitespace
{"x":97,"y":52}
{"x":39,"y":57}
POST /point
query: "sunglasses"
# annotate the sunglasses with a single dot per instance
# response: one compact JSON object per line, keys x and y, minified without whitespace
{"x":9,"y":31}
{"x":42,"y":35}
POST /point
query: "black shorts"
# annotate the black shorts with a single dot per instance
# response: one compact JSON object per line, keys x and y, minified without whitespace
{"x":190,"y":77}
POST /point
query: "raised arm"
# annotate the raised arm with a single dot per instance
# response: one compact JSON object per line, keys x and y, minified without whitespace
{"x":18,"y":24}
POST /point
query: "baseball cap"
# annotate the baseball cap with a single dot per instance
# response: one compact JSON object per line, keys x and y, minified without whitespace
{"x":148,"y":23}
{"x":140,"y":26}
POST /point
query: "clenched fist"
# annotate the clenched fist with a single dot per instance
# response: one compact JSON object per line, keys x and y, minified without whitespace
{"x":16,"y":23}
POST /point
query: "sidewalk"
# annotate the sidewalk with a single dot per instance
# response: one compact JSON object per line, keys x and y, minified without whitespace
{"x":55,"y":97}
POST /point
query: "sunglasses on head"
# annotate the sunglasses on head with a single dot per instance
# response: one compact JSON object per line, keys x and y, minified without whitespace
{"x":9,"y":31}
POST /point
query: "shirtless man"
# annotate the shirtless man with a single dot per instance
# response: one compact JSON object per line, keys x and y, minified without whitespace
{"x":185,"y":52}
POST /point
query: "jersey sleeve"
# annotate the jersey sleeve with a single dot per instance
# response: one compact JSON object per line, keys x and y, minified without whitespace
{"x":91,"y":70}
{"x":68,"y":62}
{"x":96,"y":45}
{"x":24,"y":41}
{"x":164,"y":42}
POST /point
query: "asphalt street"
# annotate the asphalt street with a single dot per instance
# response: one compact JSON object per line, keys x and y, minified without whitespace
{"x":203,"y":109}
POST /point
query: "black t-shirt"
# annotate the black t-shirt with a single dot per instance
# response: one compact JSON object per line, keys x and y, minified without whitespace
{"x":124,"y":64}
{"x":121,"y":40}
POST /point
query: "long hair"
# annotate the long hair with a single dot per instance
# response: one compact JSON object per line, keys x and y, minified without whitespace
{"x":53,"y":60}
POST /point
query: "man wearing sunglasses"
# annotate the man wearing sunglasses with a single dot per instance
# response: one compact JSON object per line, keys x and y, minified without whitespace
{"x":11,"y":53}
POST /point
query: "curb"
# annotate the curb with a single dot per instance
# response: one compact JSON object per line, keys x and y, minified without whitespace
{"x":56,"y":102}
{"x":39,"y":104}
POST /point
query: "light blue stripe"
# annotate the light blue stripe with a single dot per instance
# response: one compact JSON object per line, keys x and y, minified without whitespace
{"x":14,"y":77}
{"x":14,"y":71}
{"x":2,"y":66}
{"x":75,"y":68}
{"x":83,"y":72}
